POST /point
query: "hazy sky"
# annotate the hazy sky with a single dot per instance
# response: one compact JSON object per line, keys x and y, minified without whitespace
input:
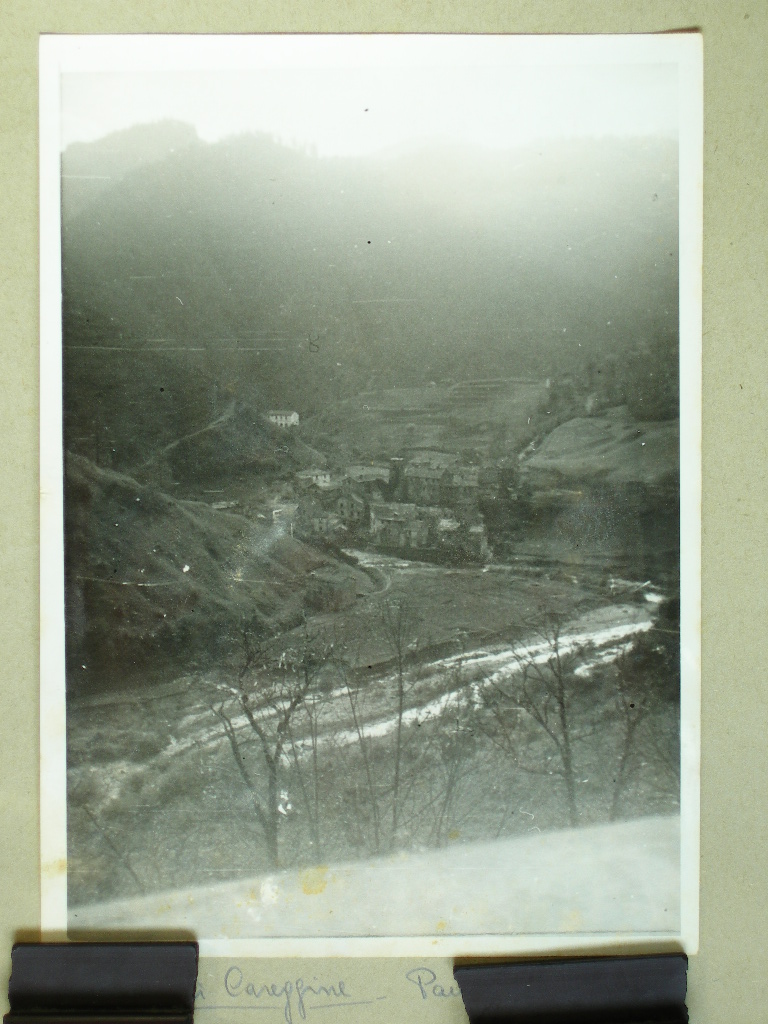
{"x":344,"y":106}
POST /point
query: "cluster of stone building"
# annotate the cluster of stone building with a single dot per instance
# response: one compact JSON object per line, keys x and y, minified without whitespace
{"x":427,"y":503}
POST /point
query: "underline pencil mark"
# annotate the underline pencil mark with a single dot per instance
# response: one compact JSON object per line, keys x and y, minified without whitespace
{"x":335,"y":1006}
{"x":169,"y":348}
{"x":277,"y":1007}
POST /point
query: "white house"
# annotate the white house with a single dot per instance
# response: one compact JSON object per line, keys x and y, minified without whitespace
{"x":318,"y":477}
{"x":283,"y":418}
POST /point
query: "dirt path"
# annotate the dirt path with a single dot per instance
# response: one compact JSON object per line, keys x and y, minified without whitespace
{"x":226,"y":415}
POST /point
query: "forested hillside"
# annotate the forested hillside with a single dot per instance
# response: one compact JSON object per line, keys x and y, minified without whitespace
{"x":195,"y":273}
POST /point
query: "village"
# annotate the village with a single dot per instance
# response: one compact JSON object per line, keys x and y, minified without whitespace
{"x":596,"y":475}
{"x":427,"y":504}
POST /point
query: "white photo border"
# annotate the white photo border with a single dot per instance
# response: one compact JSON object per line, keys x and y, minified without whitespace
{"x":62,"y":54}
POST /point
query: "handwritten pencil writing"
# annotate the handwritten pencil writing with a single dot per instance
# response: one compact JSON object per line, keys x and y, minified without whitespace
{"x":291,"y":995}
{"x":426,"y":982}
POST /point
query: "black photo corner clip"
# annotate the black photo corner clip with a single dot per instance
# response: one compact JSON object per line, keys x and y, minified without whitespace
{"x":102,"y":982}
{"x":594,"y":990}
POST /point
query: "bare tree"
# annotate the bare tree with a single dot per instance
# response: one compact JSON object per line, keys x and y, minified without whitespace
{"x":118,"y":854}
{"x":310,"y":790}
{"x":267,"y":695}
{"x":455,"y":746}
{"x":648,"y":710}
{"x":353,"y":696}
{"x":543,"y":687}
{"x":631,"y":713}
{"x":398,"y":625}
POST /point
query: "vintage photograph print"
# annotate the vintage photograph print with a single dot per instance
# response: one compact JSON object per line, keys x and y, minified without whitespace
{"x":370,"y":437}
